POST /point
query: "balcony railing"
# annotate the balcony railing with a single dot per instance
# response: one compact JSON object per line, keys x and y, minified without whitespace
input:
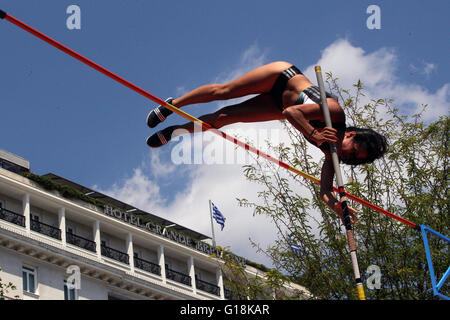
{"x":46,"y":229}
{"x":207,"y":287}
{"x":147,"y":266}
{"x":115,"y":254}
{"x":106,"y":251}
{"x":178,"y":277}
{"x":80,"y":242}
{"x":12,"y":217}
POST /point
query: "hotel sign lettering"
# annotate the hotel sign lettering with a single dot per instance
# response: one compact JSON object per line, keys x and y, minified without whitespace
{"x":170,"y":234}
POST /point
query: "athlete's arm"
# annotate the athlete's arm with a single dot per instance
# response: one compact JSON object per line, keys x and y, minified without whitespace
{"x":298,"y":116}
{"x":326,"y":189}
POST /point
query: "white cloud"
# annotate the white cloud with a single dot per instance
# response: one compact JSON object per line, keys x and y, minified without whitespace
{"x":429,"y":68}
{"x":224,"y":183}
{"x":139,"y":190}
{"x":378,"y":73}
{"x":350,"y":63}
{"x":426,"y":69}
{"x":158,"y":168}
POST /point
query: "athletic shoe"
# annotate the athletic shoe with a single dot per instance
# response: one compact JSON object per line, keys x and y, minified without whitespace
{"x":160,"y":138}
{"x":158,"y":115}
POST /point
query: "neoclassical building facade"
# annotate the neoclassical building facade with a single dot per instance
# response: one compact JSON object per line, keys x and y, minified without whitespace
{"x":56,"y":244}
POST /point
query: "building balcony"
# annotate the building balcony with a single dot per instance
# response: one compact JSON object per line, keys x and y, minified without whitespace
{"x":147,"y":266}
{"x":65,"y":233}
{"x":45,"y":229}
{"x":12,"y":217}
{"x":178,"y":277}
{"x":207,"y":287}
{"x":115,"y":254}
{"x":80,"y":242}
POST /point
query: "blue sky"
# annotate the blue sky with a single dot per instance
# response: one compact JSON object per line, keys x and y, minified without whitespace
{"x":73,"y":121}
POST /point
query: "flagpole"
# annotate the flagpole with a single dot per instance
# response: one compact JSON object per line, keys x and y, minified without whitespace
{"x":212,"y":224}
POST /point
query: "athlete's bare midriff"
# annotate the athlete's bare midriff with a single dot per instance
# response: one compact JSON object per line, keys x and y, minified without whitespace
{"x":296,"y":85}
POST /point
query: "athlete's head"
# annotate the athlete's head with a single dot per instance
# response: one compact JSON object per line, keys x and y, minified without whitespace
{"x":362,"y":145}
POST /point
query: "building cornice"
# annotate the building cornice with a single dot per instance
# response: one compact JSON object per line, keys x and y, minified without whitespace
{"x":26,"y":185}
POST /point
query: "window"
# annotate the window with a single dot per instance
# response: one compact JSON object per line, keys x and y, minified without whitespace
{"x":29,"y":279}
{"x":9,"y":166}
{"x":69,"y":294}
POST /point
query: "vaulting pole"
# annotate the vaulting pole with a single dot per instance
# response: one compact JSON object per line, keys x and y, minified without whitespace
{"x":341,"y":190}
{"x":5,"y":16}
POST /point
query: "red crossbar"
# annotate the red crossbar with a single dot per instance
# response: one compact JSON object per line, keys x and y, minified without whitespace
{"x":40,"y":35}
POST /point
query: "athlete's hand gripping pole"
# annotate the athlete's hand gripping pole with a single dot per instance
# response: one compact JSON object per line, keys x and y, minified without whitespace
{"x":341,"y":190}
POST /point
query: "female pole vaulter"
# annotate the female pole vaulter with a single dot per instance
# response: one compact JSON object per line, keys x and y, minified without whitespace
{"x":282,"y":92}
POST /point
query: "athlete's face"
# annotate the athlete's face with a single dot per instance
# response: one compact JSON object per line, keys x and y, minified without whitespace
{"x":350,"y":149}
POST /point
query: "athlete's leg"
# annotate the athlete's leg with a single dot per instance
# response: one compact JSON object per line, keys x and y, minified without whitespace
{"x":257,"y":81}
{"x":257,"y":109}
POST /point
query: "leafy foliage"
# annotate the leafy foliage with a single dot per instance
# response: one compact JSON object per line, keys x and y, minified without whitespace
{"x":5,"y":288}
{"x":410,"y":181}
{"x":266,"y":285}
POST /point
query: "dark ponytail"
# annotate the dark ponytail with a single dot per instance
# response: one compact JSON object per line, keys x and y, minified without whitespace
{"x":374,"y":143}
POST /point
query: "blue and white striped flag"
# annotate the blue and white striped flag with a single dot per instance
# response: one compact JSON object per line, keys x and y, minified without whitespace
{"x":218,"y":216}
{"x":297,"y":250}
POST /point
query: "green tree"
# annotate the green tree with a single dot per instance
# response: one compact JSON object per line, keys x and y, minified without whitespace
{"x":267,"y":284}
{"x":410,"y":181}
{"x":5,"y":287}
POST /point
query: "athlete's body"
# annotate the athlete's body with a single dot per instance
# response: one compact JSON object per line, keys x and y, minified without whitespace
{"x":282,"y":92}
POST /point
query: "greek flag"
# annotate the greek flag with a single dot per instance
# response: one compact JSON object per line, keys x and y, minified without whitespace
{"x":217,"y":215}
{"x":297,"y":250}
